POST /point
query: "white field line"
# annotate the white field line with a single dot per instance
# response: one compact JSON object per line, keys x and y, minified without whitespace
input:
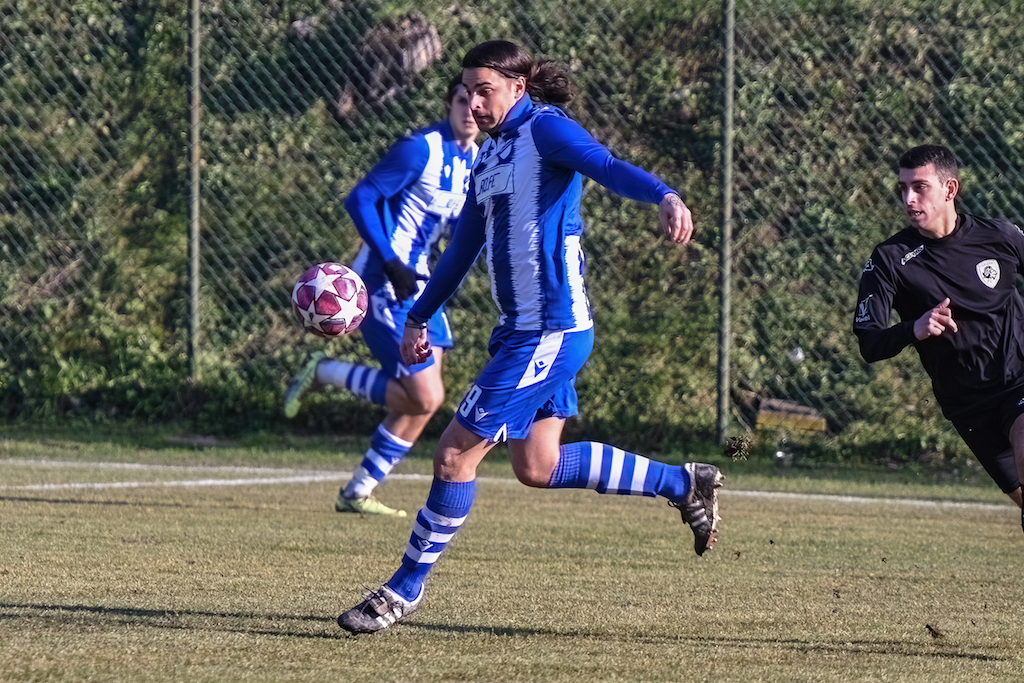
{"x":283,"y":475}
{"x":62,"y":464}
{"x":188,"y":483}
{"x":299,"y":476}
{"x":907,"y":502}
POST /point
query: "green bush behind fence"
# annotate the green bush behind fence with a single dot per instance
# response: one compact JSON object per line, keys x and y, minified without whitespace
{"x":299,"y":99}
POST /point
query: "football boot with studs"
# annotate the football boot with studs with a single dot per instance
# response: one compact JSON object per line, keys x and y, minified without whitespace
{"x":365,"y":506}
{"x":302,"y":382}
{"x":381,"y":609}
{"x":700,"y":508}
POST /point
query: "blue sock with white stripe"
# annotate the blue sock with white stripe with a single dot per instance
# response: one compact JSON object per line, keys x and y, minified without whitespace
{"x":447,"y":508}
{"x":386,"y":451}
{"x":367,"y":383}
{"x":590,"y":465}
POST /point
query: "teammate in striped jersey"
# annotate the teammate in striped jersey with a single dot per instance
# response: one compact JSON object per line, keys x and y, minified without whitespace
{"x":524,"y":207}
{"x":400,"y":209}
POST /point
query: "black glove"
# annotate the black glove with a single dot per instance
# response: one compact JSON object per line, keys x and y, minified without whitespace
{"x":403,"y":278}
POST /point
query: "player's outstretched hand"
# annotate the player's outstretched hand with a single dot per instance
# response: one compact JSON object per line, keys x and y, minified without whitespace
{"x":676,"y":221}
{"x":935,"y":322}
{"x":403,"y":278}
{"x":415,"y":347}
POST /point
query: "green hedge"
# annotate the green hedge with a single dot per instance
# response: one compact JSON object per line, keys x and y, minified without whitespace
{"x":94,"y":128}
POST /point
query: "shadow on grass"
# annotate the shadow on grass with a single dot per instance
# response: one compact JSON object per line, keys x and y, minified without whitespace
{"x":875,"y":647}
{"x":178,"y":620}
{"x":170,"y":619}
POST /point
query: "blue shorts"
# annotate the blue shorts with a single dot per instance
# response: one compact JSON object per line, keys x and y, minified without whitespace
{"x":531,"y":376}
{"x":384,"y":325}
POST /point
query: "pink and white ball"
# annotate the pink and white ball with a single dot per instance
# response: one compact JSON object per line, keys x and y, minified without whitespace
{"x":330,"y":300}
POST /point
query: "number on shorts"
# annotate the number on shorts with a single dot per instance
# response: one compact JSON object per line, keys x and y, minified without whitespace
{"x":467,"y":403}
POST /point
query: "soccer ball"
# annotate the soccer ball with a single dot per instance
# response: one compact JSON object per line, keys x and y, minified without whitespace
{"x":330,"y":300}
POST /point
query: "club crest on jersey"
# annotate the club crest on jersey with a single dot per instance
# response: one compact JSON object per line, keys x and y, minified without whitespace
{"x":988,"y":271}
{"x":910,"y":255}
{"x":863,"y":313}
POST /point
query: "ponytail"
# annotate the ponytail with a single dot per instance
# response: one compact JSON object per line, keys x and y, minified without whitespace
{"x":550,"y":82}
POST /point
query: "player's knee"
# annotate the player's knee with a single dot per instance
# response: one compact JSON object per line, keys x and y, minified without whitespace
{"x":446,"y":464}
{"x":532,"y":474}
{"x":426,"y":400}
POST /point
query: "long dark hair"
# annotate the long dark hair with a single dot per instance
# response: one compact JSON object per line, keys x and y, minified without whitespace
{"x":546,"y":80}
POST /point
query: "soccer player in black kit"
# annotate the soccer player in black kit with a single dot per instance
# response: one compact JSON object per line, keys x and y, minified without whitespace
{"x":952,"y":279}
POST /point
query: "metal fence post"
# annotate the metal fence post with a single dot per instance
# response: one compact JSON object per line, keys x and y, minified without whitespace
{"x":725,"y":248}
{"x":193,"y":242}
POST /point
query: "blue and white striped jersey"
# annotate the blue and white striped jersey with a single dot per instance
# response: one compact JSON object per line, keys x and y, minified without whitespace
{"x":404,"y":203}
{"x":524,"y":205}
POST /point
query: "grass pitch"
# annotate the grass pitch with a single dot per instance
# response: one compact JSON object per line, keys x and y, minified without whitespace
{"x":159,"y":573}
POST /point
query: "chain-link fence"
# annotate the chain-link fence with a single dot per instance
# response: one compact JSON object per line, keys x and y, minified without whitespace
{"x":300,"y":105}
{"x":299,"y":99}
{"x":828,"y":95}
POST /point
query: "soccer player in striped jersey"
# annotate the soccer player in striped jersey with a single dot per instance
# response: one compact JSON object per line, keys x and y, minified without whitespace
{"x":524,"y":207}
{"x":400,"y":209}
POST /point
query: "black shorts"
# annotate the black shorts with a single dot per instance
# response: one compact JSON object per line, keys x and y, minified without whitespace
{"x":986,"y":432}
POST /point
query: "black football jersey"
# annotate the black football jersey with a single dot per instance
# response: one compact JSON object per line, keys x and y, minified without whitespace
{"x":976,"y":267}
